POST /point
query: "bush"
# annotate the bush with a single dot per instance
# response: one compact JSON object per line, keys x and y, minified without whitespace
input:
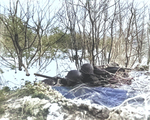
{"x":1,"y":71}
{"x":2,"y":110}
{"x":40,"y":95}
{"x":6,"y":89}
{"x":2,"y":96}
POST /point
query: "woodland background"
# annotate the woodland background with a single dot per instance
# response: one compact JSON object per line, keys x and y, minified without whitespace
{"x":100,"y":31}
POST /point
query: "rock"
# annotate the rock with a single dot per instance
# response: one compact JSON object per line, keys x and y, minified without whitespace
{"x":114,"y":116}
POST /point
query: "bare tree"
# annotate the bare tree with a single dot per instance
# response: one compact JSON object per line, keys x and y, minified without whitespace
{"x":140,"y":34}
{"x":129,"y":26}
{"x":98,"y":16}
{"x":112,"y":27}
{"x":148,"y":38}
{"x":26,"y":26}
{"x":69,"y":18}
{"x":108,"y":30}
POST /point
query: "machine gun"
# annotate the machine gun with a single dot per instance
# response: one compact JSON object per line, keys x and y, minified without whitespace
{"x":52,"y":80}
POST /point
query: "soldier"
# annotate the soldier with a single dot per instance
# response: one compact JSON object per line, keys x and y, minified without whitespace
{"x":88,"y":75}
{"x":73,"y":77}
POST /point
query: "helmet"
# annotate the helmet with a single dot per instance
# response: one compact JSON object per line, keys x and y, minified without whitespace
{"x":87,"y":69}
{"x":73,"y":77}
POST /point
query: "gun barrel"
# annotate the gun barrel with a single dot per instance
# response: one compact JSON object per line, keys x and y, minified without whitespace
{"x":45,"y":76}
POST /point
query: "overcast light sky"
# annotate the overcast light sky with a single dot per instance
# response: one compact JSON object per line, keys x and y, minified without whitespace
{"x":57,"y":3}
{"x":6,"y":2}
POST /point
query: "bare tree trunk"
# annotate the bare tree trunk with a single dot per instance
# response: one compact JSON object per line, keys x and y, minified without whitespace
{"x":127,"y":43}
{"x":148,"y":39}
{"x":92,"y":57}
{"x":112,"y":39}
{"x":103,"y":58}
{"x":148,"y":58}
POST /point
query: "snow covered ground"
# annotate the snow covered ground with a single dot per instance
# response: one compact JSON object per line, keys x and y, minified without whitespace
{"x":136,"y":106}
{"x":138,"y":102}
{"x":13,"y":79}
